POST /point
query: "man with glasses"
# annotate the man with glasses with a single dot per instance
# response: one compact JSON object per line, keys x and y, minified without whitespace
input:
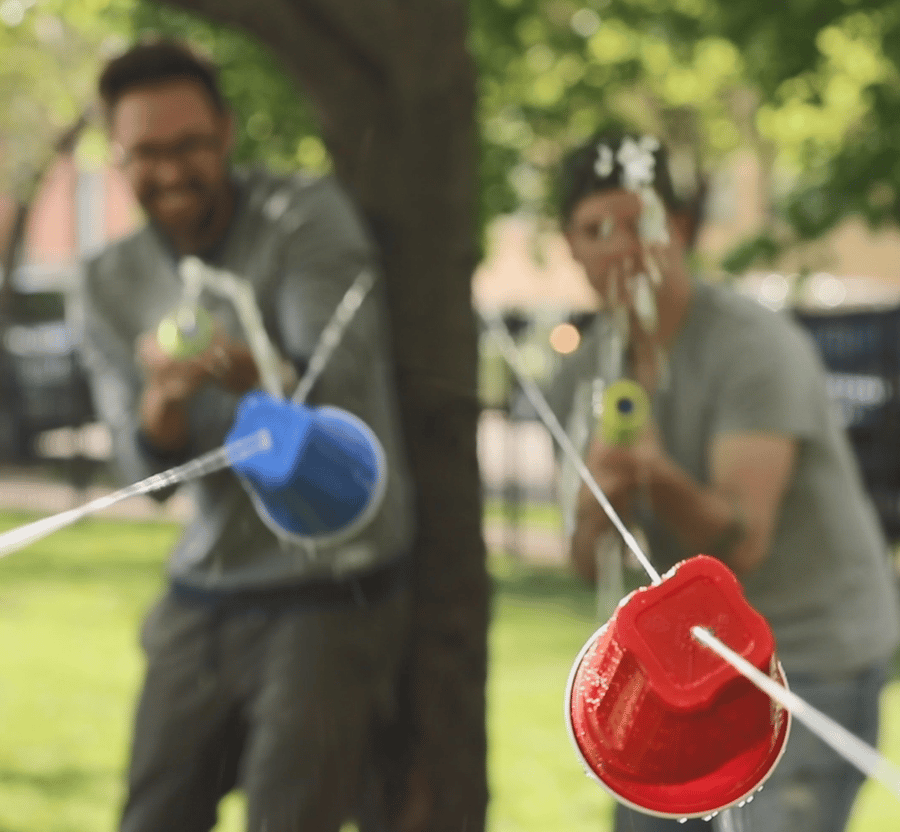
{"x":270,"y":664}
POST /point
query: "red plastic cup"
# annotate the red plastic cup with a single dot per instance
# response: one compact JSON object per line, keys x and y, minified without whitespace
{"x":663,"y":723}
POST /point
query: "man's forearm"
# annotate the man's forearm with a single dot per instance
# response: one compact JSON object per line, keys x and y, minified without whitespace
{"x":163,"y":420}
{"x":583,"y":544}
{"x":706,"y":520}
{"x":591,"y":523}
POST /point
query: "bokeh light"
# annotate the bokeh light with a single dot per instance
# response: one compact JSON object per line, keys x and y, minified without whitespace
{"x":565,"y":338}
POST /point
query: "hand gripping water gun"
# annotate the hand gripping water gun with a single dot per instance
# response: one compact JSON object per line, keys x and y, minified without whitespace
{"x":324,"y":474}
{"x":187,"y":332}
{"x":624,"y":413}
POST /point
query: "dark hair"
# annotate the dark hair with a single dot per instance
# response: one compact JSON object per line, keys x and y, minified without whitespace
{"x":583,"y":171}
{"x":156,"y":62}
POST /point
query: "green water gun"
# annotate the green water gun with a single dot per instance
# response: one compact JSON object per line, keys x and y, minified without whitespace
{"x":187,"y":332}
{"x":624,"y":413}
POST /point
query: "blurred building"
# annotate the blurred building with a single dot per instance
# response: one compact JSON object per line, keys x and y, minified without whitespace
{"x":44,"y":395}
{"x":74,"y":212}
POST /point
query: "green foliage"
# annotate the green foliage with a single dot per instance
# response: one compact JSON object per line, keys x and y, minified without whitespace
{"x":760,"y":249}
{"x":52,"y":52}
{"x":825,"y":74}
{"x":810,"y":85}
{"x":36,"y":104}
{"x":553,"y":72}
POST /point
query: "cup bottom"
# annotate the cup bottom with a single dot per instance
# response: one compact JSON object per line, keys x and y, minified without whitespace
{"x":736,"y":780}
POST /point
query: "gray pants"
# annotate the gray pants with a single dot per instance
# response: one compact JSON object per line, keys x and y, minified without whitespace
{"x":283,"y":704}
{"x":813,"y":788}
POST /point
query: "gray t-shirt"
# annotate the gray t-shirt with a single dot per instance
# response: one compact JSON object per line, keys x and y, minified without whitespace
{"x":301,"y":245}
{"x":826,"y":586}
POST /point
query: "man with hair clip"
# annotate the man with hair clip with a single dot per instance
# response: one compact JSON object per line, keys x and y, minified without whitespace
{"x":271,"y":664}
{"x":742,"y":460}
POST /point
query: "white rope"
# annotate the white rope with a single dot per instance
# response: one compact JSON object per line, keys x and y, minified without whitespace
{"x":511,"y":354}
{"x":333,"y":333}
{"x":850,"y":747}
{"x":223,"y":457}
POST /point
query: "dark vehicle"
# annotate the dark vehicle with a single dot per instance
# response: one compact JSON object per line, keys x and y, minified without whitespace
{"x":861,"y":351}
{"x":42,"y":386}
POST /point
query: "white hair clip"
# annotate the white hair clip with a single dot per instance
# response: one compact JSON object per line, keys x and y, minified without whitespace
{"x":605,"y":163}
{"x":637,"y":161}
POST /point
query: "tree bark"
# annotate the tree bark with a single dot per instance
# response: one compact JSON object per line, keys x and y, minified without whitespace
{"x":394,"y":88}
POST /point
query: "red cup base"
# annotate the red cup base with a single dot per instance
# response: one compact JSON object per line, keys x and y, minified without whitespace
{"x":725,"y":787}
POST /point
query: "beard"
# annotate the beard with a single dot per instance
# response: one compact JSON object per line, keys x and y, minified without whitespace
{"x":186,"y":214}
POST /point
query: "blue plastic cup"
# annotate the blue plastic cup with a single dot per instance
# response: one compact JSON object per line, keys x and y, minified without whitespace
{"x":323,"y":475}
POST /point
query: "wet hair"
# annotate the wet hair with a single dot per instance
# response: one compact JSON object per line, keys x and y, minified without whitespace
{"x":595,"y":166}
{"x":155,"y":62}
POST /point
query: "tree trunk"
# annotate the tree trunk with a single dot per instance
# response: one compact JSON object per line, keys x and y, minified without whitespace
{"x":394,"y":89}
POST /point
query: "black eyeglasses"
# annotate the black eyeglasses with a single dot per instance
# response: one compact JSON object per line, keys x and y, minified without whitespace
{"x":187,"y":150}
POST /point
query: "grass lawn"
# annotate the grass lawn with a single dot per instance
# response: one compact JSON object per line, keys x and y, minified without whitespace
{"x":70,"y":609}
{"x":537,"y":514}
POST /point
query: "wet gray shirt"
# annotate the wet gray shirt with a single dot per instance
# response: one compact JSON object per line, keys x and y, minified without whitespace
{"x":826,"y":586}
{"x":301,"y":245}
